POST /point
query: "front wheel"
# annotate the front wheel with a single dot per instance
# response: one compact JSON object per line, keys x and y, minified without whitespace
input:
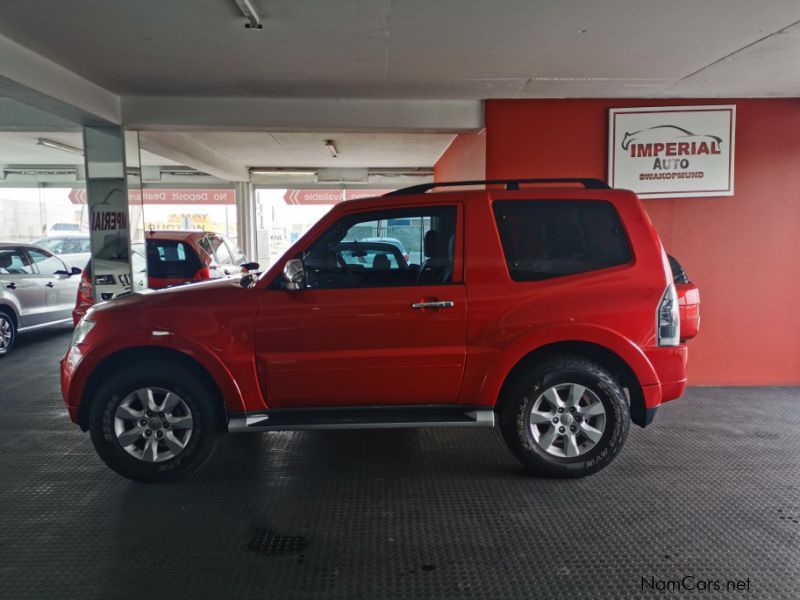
{"x":152,"y":422}
{"x":567,"y":417}
{"x":8,"y":333}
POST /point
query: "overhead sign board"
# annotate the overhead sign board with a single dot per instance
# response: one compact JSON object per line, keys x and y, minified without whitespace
{"x":674,"y":151}
{"x":322,"y":196}
{"x":168,"y":196}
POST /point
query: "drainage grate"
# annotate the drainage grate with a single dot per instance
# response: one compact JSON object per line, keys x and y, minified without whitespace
{"x":266,"y":541}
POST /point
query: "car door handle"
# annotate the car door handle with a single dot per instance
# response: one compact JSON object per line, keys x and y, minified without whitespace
{"x":49,"y":284}
{"x":12,"y":286}
{"x":434,"y":304}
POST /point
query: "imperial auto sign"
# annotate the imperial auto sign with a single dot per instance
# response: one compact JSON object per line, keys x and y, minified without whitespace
{"x":676,"y":151}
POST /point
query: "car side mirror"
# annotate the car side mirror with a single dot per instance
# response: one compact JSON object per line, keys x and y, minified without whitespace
{"x":76,"y":271}
{"x":250,"y":266}
{"x":294,"y":274}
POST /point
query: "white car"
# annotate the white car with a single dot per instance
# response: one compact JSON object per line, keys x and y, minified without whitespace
{"x":111,"y":283}
{"x":73,"y":249}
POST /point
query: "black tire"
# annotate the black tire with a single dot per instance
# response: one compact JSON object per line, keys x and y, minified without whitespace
{"x":516,"y":405}
{"x":154,"y":374}
{"x":7,"y":321}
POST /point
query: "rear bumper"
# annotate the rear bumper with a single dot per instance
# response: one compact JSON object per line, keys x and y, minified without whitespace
{"x":670,"y":366}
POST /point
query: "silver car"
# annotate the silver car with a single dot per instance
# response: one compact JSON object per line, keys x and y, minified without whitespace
{"x":73,"y":249}
{"x":37,"y":289}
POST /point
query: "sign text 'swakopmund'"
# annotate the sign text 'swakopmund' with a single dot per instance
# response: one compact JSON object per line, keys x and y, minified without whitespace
{"x":661,"y":152}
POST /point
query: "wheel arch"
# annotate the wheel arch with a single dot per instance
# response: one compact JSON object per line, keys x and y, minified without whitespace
{"x":602,"y":355}
{"x":11,"y":311}
{"x":128,"y":356}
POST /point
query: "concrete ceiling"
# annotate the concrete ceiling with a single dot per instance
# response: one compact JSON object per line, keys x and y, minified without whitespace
{"x":21,"y":148}
{"x":364,"y":150}
{"x":465,"y":49}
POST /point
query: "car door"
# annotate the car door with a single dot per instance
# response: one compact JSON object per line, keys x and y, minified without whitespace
{"x":369,"y":333}
{"x":61,"y":287}
{"x":21,"y":287}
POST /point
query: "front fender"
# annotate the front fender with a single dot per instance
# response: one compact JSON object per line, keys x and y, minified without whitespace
{"x":94,"y":355}
{"x":566,"y":332}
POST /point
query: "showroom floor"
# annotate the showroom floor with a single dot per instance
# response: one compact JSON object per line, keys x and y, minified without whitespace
{"x":711,"y":490}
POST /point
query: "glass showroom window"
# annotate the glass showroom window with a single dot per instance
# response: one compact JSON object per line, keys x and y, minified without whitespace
{"x":30,"y":214}
{"x":189,"y":209}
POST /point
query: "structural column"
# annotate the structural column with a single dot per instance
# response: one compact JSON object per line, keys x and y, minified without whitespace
{"x":107,"y":193}
{"x":245,"y":218}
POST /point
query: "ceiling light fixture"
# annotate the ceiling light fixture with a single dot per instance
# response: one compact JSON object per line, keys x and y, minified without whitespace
{"x":249,"y":13}
{"x":59,"y":146}
{"x":331,"y":148}
{"x":289,"y":172}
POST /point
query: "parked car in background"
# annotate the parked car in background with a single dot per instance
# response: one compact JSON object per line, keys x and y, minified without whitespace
{"x":394,"y":242}
{"x":36,"y":290}
{"x":75,"y":249}
{"x":61,"y":228}
{"x":166,"y":258}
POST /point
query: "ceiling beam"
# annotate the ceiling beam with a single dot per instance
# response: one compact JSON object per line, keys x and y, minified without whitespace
{"x":181,"y":148}
{"x":39,"y":82}
{"x":301,"y":114}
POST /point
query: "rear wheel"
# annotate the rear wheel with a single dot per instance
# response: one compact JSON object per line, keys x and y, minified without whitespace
{"x":8,"y":333}
{"x":153,"y":422}
{"x":567,"y":417}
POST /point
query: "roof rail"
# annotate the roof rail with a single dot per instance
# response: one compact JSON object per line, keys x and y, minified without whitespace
{"x":511,"y":184}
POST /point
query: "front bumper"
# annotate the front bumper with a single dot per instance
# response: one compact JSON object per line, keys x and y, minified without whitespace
{"x":68,"y":365}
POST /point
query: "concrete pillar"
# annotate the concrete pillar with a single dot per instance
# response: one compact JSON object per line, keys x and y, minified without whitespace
{"x":107,"y":193}
{"x":246,"y":218}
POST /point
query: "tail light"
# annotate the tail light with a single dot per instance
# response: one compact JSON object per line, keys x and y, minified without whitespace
{"x":668,"y":320}
{"x":85,"y":295}
{"x":201,"y":274}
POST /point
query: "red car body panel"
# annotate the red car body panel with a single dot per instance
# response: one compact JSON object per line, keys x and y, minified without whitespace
{"x":689,"y":305}
{"x":271,"y":348}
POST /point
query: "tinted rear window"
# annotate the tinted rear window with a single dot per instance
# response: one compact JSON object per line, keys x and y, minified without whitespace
{"x":545,"y":239}
{"x":171,"y":259}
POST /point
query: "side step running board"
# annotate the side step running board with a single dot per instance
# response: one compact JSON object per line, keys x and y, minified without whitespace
{"x":366,"y":417}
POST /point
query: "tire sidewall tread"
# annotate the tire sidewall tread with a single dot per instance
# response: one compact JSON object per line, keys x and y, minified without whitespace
{"x":153,"y":374}
{"x":6,"y":317}
{"x":515,"y":409}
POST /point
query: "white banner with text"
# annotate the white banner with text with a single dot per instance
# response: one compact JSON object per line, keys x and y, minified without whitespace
{"x":674,"y":151}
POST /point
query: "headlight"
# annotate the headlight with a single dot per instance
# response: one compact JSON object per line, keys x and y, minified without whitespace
{"x":105,"y":280}
{"x":81,"y":330}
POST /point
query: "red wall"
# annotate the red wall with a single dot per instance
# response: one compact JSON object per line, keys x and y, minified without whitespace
{"x":464,"y":159}
{"x":743,"y":251}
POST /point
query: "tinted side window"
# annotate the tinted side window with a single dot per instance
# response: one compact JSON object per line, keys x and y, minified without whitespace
{"x":46,"y":263}
{"x":171,"y":259}
{"x":397,"y":247}
{"x":544,"y":239}
{"x":14,"y":262}
{"x":74,"y":246}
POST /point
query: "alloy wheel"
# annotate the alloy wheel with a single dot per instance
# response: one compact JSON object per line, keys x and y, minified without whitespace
{"x":6,"y":334}
{"x":153,"y":424}
{"x":567,"y":420}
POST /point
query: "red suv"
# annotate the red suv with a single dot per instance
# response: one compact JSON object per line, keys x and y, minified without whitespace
{"x":548,"y":308}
